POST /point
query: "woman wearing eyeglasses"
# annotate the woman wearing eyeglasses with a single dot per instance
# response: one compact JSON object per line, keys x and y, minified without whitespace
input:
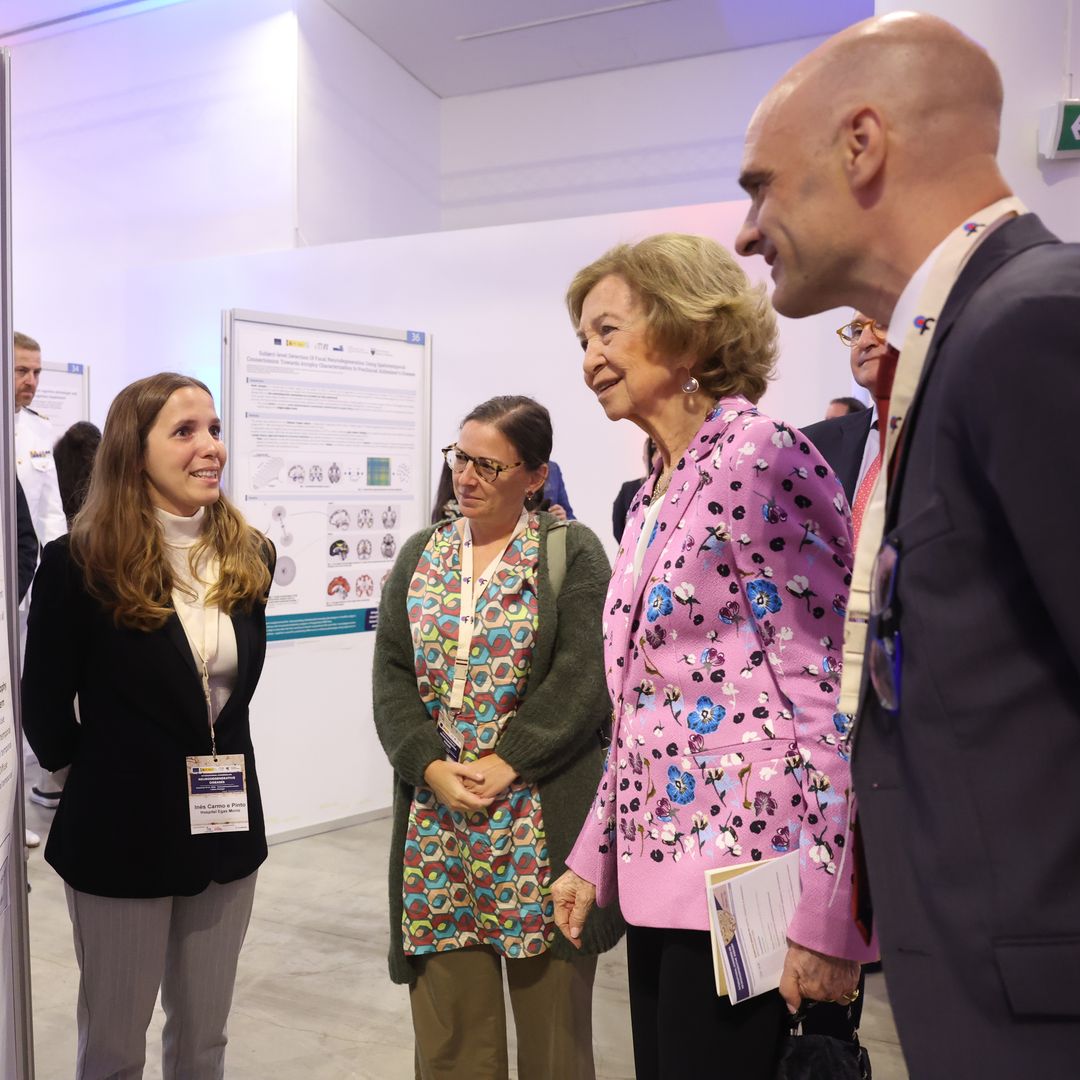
{"x":490,"y":701}
{"x":722,"y":636}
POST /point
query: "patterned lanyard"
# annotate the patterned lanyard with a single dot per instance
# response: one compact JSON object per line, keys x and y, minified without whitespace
{"x":955,"y":251}
{"x":469,"y":594}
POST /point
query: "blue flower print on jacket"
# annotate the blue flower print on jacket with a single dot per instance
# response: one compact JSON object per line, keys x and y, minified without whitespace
{"x":659,"y":602}
{"x":706,"y":717}
{"x":680,"y":787}
{"x":764,"y":597}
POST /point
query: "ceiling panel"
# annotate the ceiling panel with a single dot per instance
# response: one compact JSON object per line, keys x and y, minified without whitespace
{"x":22,"y":20}
{"x":468,"y":46}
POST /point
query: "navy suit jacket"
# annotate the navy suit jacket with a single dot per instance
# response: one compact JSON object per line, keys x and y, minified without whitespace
{"x":968,"y":796}
{"x":841,"y":442}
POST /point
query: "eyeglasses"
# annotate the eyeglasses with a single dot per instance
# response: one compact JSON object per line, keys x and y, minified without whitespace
{"x":850,"y":332}
{"x":885,"y":645}
{"x":485,"y":468}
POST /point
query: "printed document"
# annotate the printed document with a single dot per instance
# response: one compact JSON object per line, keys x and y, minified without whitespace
{"x":749,"y":912}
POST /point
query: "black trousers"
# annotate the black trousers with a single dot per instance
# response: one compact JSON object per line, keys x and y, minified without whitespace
{"x":681,"y":1028}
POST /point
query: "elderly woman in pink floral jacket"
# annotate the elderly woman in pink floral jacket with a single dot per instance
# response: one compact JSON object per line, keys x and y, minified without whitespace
{"x":722,"y":634}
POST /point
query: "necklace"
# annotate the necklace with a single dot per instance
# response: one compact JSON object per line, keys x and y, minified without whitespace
{"x":664,"y":479}
{"x":662,"y":483}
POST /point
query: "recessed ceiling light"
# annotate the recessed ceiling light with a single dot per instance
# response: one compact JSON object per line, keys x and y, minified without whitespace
{"x":608,"y":10}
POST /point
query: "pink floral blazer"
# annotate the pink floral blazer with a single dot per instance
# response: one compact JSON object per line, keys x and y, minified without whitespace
{"x":722,"y":661}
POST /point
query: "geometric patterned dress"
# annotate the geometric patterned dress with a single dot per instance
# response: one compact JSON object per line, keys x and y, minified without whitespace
{"x":482,"y":878}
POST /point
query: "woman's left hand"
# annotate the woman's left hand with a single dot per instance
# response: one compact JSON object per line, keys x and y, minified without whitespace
{"x":813,"y":976}
{"x":498,"y":776}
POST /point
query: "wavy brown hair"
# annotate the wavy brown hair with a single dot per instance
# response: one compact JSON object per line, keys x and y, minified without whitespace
{"x":697,"y":300}
{"x":116,"y":538}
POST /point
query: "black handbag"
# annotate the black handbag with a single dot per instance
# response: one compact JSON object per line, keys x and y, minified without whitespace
{"x":821,"y":1057}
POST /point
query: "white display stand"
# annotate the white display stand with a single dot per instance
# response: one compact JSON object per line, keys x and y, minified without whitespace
{"x":63,"y":395}
{"x":16,"y":1029}
{"x":327,"y":427}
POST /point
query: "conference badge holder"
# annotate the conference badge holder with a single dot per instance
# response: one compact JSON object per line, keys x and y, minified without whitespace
{"x":217,"y":793}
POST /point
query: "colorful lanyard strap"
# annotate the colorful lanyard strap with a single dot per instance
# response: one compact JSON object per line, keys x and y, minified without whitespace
{"x":470,"y":591}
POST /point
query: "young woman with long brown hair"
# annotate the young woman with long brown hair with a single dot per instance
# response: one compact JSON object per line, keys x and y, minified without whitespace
{"x":151,"y":613}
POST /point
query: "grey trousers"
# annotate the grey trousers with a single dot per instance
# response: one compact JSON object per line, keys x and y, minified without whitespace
{"x":188,"y":946}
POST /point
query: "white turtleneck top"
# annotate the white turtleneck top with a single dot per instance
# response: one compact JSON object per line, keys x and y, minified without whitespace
{"x":209,"y":632}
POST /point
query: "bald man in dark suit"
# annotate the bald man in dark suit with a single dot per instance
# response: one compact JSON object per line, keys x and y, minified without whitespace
{"x":873,"y":180}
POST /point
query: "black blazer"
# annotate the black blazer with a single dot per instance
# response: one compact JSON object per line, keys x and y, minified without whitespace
{"x":621,"y":507}
{"x":122,"y":827}
{"x":841,"y":442}
{"x":967,"y":798}
{"x":28,"y":546}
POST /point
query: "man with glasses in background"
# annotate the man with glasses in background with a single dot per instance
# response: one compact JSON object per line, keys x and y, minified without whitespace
{"x":852,"y":443}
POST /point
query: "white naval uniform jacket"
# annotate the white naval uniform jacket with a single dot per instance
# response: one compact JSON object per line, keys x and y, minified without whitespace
{"x":34,"y":438}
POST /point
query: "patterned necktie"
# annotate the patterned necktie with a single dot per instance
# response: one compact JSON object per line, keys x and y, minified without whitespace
{"x":862,"y":496}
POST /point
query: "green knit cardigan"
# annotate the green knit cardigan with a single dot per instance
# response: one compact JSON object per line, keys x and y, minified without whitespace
{"x":552,"y":740}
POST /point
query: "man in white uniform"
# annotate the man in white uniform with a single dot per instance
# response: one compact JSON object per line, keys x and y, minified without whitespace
{"x":36,"y":470}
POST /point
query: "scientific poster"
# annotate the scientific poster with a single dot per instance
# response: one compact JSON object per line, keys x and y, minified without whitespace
{"x":327,"y":427}
{"x":328,"y":453}
{"x":63,"y":395}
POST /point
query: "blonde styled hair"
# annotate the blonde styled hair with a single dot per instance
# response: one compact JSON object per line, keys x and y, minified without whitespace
{"x":116,"y":538}
{"x":697,"y":302}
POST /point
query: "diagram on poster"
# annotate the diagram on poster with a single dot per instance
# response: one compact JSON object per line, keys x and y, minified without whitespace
{"x":328,"y":451}
{"x":63,"y":395}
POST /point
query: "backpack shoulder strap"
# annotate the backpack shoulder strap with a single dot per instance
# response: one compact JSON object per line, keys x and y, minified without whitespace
{"x":556,"y":555}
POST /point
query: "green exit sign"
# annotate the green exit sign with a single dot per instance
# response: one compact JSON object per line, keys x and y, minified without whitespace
{"x":1059,"y":130}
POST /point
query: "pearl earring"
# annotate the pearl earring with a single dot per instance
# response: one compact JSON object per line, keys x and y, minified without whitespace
{"x":691,"y":386}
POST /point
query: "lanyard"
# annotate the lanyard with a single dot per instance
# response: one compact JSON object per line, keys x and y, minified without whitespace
{"x":956,"y":249}
{"x":204,"y":653}
{"x":470,"y":591}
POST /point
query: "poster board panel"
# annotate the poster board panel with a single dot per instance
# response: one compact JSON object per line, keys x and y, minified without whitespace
{"x":16,"y":1023}
{"x":63,"y":395}
{"x":327,"y":427}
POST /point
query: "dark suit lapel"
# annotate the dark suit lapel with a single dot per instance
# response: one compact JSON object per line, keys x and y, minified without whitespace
{"x":242,"y":628}
{"x":1005,"y":243}
{"x":191,"y":678}
{"x":853,"y":436}
{"x":174,"y":631}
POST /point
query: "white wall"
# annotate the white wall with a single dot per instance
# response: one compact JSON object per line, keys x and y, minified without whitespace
{"x":170,"y":132}
{"x":143,"y":139}
{"x":647,"y":137}
{"x":368,"y":162}
{"x":1027,"y":43}
{"x":492,"y":298}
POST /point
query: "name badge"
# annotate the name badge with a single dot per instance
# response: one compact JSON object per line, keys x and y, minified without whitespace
{"x":452,"y":739}
{"x":217,"y":794}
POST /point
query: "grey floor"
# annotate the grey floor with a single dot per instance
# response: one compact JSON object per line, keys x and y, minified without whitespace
{"x":313,"y":1001}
